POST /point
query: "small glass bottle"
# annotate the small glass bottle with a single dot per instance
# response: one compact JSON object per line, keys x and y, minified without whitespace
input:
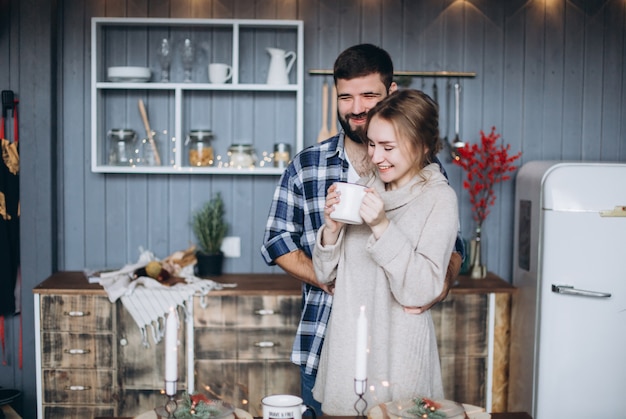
{"x":199,"y":147}
{"x":147,"y":151}
{"x":122,"y":147}
{"x":282,"y":155}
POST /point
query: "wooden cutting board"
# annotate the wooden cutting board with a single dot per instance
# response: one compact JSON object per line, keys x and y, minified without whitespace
{"x":324,"y":132}
{"x":333,"y":112}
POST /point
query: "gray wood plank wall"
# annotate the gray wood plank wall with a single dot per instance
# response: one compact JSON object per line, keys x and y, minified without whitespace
{"x":537,"y":80}
{"x":550,"y":77}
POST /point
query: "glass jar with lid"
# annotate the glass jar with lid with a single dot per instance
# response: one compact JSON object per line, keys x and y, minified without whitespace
{"x":199,"y":147}
{"x":122,"y":146}
{"x":242,"y":156}
{"x":282,"y":155}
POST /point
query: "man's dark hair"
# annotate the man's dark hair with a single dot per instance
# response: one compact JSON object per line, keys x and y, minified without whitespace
{"x":363,"y":60}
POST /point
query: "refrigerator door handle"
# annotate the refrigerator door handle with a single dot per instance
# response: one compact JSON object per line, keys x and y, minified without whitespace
{"x":570,"y":290}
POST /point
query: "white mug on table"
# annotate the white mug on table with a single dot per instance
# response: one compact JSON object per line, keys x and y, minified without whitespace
{"x":284,"y":406}
{"x":220,"y":73}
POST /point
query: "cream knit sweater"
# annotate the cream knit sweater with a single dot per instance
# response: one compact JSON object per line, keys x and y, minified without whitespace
{"x":405,"y":267}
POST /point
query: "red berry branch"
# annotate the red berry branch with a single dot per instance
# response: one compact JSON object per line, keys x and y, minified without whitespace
{"x":486,"y":164}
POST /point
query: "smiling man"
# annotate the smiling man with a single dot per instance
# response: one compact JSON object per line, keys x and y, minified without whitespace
{"x":363,"y":76}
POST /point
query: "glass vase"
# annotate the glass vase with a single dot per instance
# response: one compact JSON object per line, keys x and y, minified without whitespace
{"x":165,"y":59}
{"x":478,"y":266}
{"x":187,"y":56}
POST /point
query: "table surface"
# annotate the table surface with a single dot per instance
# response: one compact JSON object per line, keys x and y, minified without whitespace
{"x":511,"y":415}
{"x":75,"y":283}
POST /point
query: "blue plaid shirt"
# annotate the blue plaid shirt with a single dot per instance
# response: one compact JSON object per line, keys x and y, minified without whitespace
{"x":296,"y":214}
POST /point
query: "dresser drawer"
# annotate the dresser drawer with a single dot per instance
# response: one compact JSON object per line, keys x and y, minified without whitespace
{"x":143,"y":366}
{"x":461,"y":324}
{"x":77,"y":412}
{"x":76,"y":350}
{"x":78,"y":386}
{"x":84,"y":313}
{"x":265,"y":343}
{"x":215,"y":343}
{"x":247,"y":311}
{"x":268,"y":311}
{"x":254,"y":343}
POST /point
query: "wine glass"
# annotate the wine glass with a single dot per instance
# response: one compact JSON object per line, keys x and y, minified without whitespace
{"x":165,"y":58}
{"x":187,"y":56}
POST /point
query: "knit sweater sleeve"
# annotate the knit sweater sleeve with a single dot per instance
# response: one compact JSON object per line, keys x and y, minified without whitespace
{"x":326,"y":258}
{"x":415,"y":250}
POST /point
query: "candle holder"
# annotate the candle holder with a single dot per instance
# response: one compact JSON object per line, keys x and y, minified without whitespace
{"x":168,"y":410}
{"x":170,"y":388}
{"x":359,"y":388}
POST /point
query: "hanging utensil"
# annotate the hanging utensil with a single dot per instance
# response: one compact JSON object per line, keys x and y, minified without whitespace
{"x":149,"y":133}
{"x":456,"y":143}
{"x":435,"y":92}
{"x":333,"y":113}
{"x":446,"y":139}
{"x":324,"y":134}
{"x":8,"y":101}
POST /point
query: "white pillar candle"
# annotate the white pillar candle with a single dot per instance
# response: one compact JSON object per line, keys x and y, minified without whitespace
{"x":361,"y":346}
{"x":171,"y":353}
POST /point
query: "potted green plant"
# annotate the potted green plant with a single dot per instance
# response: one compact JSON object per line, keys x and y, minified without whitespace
{"x":210,"y":227}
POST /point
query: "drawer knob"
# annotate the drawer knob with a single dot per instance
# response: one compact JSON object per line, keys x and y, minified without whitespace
{"x":266,"y":344}
{"x":123,"y":342}
{"x":77,"y":351}
{"x":265,"y":312}
{"x":76,"y":313}
{"x":77,"y":388}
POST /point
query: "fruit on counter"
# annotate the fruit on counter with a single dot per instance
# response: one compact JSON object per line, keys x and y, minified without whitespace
{"x":180,"y":259}
{"x":156,"y":270}
{"x":153,"y":269}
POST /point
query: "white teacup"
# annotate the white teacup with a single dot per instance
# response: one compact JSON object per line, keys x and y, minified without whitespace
{"x":220,"y":73}
{"x":284,"y":406}
{"x":347,"y":210}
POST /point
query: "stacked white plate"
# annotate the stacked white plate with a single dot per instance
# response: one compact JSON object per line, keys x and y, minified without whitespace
{"x":128,"y":74}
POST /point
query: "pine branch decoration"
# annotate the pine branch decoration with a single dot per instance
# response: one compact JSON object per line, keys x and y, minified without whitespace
{"x":196,"y":406}
{"x":426,"y":409}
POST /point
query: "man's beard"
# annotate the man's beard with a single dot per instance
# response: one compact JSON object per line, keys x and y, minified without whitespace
{"x":357,"y":135}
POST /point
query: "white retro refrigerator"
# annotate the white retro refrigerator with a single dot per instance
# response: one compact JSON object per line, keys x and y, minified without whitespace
{"x":568,"y":322}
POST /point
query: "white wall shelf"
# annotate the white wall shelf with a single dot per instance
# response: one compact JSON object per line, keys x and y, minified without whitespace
{"x":245,"y":110}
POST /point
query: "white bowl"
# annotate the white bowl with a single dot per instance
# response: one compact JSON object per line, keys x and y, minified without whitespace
{"x":128,"y":74}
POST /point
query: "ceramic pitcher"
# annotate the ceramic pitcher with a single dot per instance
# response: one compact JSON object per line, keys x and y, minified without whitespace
{"x":280,"y":65}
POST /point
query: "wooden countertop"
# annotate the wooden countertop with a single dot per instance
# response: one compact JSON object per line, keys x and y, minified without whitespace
{"x":75,"y":282}
{"x":511,"y":415}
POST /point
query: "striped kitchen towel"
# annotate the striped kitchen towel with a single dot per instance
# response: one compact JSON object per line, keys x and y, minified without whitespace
{"x":147,"y":300}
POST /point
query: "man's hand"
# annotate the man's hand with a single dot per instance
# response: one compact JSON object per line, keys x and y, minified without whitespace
{"x":454,"y":267}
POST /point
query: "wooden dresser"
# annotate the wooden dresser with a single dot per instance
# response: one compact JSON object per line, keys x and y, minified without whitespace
{"x":75,"y":359}
{"x":236,"y":346}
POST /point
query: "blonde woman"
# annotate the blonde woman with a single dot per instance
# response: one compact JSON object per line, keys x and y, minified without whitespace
{"x":397,"y":258}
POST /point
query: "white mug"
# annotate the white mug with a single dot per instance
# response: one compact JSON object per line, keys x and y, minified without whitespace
{"x":220,"y":73}
{"x":284,"y":406}
{"x":347,"y":210}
